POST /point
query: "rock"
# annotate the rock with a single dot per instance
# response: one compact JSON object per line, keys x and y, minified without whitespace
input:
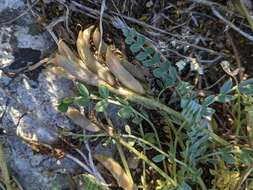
{"x":34,"y":94}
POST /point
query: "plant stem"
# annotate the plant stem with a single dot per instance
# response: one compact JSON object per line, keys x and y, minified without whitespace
{"x":170,"y":157}
{"x":143,"y":163}
{"x":145,"y":158}
{"x":147,"y":102}
{"x":153,"y":104}
{"x":155,"y":131}
{"x":4,"y":170}
{"x":238,"y":119}
{"x":244,"y":176}
{"x":242,"y":8}
{"x":124,"y":162}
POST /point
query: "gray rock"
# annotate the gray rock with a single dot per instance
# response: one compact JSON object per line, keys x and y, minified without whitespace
{"x":35,"y":94}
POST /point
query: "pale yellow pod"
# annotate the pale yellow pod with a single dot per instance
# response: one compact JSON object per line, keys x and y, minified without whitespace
{"x":97,"y":39}
{"x":80,"y":120}
{"x":117,"y":171}
{"x":74,"y":69}
{"x":122,"y":74}
{"x":64,"y":50}
{"x":83,"y":48}
{"x":135,"y":70}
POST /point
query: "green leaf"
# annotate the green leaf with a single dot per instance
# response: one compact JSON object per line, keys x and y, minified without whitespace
{"x":137,"y":120}
{"x":148,"y":63}
{"x":156,"y":58}
{"x":226,"y":87}
{"x":141,"y":56}
{"x":166,"y":66}
{"x":135,"y":47}
{"x":228,"y":157}
{"x":159,"y":72}
{"x":91,"y":183}
{"x":125,"y":112}
{"x":82,"y":101}
{"x":222,"y":98}
{"x":130,"y":36}
{"x":247,"y":89}
{"x":125,"y":31}
{"x":209,"y":100}
{"x":247,"y":82}
{"x":101,"y":105}
{"x":140,"y":40}
{"x":158,"y":158}
{"x":63,"y":107}
{"x":83,"y":91}
{"x":185,"y":186}
{"x":168,"y":80}
{"x":68,"y":100}
{"x":103,"y":91}
{"x":144,"y":114}
{"x":246,"y":157}
{"x":150,"y":137}
{"x":173,"y":73}
{"x":149,"y":50}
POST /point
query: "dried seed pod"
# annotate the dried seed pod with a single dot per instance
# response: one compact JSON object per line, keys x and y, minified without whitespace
{"x":79,"y":73}
{"x":65,"y":51}
{"x":122,"y":74}
{"x":80,"y":120}
{"x":96,"y":37}
{"x":135,"y":70}
{"x":117,"y":171}
{"x":59,"y":71}
{"x":83,"y":48}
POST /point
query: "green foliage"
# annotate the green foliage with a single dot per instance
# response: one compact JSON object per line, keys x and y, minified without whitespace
{"x":103,"y":91}
{"x":179,"y":152}
{"x":226,"y":87}
{"x":150,"y":58}
{"x":125,"y":112}
{"x":198,"y":142}
{"x":83,"y":91}
{"x":65,"y":103}
{"x":158,"y":158}
{"x":82,"y":100}
{"x":101,"y":105}
{"x":90,"y":183}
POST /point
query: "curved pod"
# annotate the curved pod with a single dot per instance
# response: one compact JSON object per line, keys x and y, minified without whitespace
{"x":135,"y":70}
{"x":80,"y":120}
{"x":79,"y":73}
{"x":122,"y":74}
{"x":83,"y":48}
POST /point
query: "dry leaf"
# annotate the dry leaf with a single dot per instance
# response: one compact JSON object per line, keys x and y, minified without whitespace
{"x":80,"y":120}
{"x":226,"y":67}
{"x":116,"y":170}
